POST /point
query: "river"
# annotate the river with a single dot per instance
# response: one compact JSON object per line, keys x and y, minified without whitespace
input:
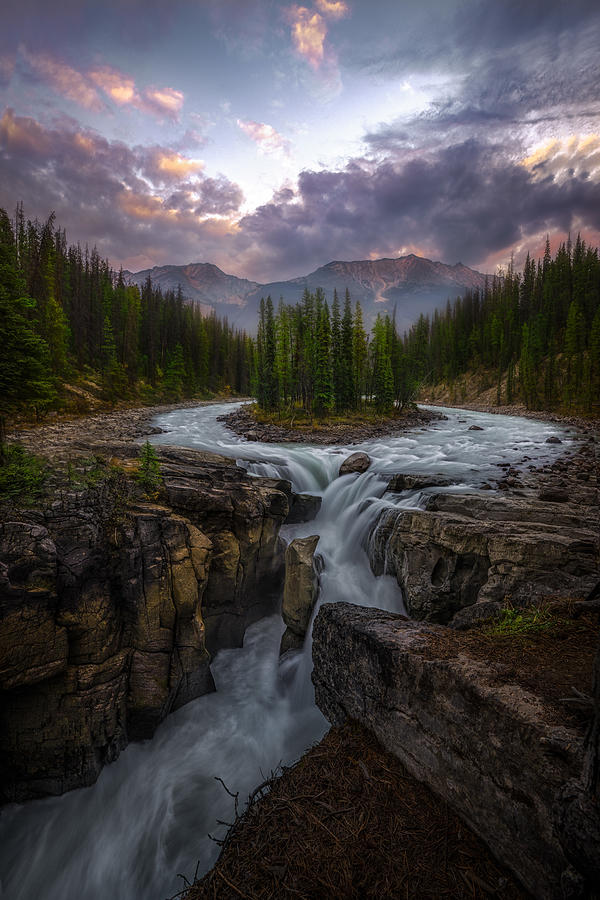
{"x":148,"y":816}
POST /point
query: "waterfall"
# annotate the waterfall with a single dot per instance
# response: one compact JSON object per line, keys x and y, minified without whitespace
{"x":148,"y":816}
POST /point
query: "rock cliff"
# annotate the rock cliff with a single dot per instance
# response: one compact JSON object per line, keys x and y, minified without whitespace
{"x":110,"y":608}
{"x":493,"y":749}
{"x":480,"y":548}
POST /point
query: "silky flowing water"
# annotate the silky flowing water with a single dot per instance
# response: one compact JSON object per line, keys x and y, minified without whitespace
{"x":148,"y":816}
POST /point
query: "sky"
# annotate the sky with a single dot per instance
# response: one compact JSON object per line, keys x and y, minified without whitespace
{"x":270,"y":137}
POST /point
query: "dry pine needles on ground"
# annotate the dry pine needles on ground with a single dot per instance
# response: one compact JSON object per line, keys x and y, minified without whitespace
{"x":348,"y":821}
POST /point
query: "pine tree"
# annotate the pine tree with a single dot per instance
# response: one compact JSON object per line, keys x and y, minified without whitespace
{"x":336,"y":354}
{"x":175,"y":373}
{"x":25,"y":377}
{"x":347,"y":398}
{"x":323,"y":396}
{"x":149,"y":470}
{"x":359,"y":356}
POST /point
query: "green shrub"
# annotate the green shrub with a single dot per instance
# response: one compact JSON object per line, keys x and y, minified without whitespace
{"x":149,"y":471}
{"x":22,"y":475}
{"x":514,"y":621}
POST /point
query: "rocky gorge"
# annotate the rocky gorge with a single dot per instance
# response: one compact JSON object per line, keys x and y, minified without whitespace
{"x":115,"y":602}
{"x":112,"y":605}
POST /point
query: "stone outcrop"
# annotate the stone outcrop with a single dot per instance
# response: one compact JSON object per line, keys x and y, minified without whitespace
{"x":464,"y":549}
{"x":408,"y":482}
{"x":301,"y":590}
{"x":356,"y":462}
{"x":303,"y":508}
{"x":487,"y":746}
{"x":110,"y":608}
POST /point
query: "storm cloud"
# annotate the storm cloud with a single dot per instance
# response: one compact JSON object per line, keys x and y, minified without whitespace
{"x":488,"y":138}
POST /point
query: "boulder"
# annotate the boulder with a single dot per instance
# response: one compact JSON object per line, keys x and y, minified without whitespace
{"x":356,"y":462}
{"x":401,"y":482}
{"x":303,"y":508}
{"x":553,"y":440}
{"x":475,"y":428}
{"x":300,"y":591}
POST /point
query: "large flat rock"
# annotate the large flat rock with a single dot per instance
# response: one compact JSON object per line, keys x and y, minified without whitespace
{"x":491,"y":749}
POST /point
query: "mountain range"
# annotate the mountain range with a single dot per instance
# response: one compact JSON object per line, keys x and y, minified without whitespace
{"x":409,"y":284}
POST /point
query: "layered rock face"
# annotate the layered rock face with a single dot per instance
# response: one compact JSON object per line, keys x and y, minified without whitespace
{"x":109,"y":611}
{"x":489,"y":748}
{"x":466,"y":549}
{"x":300,"y":591}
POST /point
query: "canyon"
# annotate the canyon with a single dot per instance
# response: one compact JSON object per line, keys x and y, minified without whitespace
{"x":119,"y":609}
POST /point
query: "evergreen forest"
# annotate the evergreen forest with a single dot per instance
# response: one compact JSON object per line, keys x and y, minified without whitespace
{"x":534,"y":336}
{"x":67,"y":320}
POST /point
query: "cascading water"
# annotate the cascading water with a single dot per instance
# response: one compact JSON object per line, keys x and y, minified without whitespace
{"x":148,"y":816}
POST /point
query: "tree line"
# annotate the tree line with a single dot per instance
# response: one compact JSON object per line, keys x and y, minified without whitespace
{"x":64,"y":313}
{"x":536,"y":333}
{"x":323,"y":361}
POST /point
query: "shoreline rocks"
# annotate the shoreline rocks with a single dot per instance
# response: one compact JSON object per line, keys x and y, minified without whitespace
{"x":538,"y":538}
{"x":243,"y":422}
{"x":356,"y":462}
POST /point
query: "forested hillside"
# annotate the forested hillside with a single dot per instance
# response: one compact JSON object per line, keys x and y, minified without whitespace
{"x":66,"y":316}
{"x":535,"y":336}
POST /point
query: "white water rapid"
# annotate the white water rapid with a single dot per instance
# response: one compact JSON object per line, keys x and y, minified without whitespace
{"x":147,"y":817}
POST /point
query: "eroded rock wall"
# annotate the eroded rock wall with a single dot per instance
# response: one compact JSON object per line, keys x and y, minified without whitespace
{"x":489,"y":748}
{"x":109,"y":612}
{"x":464,"y":549}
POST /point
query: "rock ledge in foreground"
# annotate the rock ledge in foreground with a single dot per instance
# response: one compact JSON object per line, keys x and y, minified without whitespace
{"x":486,"y":747}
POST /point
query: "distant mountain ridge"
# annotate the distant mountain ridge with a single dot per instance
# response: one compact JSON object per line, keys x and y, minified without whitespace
{"x":410,"y":284}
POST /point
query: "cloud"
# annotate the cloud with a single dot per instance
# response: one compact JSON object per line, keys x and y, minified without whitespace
{"x":165,"y":102}
{"x":119,"y":87}
{"x":87,"y":88}
{"x":64,"y":79}
{"x":332,"y":9}
{"x":309,"y":31}
{"x":461,"y":202}
{"x":268,"y":140}
{"x":7,"y":67}
{"x":149,"y":202}
{"x":562,"y":159}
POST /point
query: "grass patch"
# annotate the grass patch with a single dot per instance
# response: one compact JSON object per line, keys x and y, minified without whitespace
{"x":516,"y":622}
{"x":298,"y":417}
{"x":22,"y":475}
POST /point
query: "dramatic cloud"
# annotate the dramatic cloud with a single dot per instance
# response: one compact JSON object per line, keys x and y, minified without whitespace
{"x":464,"y":202}
{"x":115,"y":196}
{"x":268,"y":140}
{"x":460,"y":129}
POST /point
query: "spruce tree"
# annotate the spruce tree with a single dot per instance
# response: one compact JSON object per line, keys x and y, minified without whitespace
{"x":323,"y":391}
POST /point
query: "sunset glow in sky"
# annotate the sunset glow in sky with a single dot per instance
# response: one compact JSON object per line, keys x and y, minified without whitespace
{"x":270,"y":137}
